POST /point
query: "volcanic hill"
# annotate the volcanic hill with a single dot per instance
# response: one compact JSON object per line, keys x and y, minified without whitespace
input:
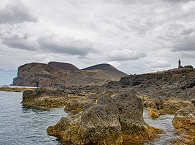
{"x":59,"y":75}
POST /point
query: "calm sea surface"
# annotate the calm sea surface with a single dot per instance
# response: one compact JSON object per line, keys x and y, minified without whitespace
{"x":25,"y":126}
{"x":20,"y":125}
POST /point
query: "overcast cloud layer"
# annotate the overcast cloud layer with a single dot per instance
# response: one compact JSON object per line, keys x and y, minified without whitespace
{"x":134,"y":35}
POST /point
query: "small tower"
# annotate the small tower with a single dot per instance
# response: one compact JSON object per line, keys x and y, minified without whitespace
{"x":179,"y":64}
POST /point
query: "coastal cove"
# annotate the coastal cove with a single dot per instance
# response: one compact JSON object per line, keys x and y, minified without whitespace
{"x":24,"y":125}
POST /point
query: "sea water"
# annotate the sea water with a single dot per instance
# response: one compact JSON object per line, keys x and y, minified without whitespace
{"x":20,"y":125}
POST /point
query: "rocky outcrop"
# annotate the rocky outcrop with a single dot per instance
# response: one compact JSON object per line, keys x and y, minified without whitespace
{"x":184,"y":122}
{"x":60,"y":75}
{"x":175,"y":83}
{"x":170,"y":76}
{"x":172,"y":105}
{"x":42,"y":98}
{"x":112,"y":121}
{"x":164,"y":105}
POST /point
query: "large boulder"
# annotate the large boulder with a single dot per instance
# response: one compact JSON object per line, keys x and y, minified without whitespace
{"x":184,"y":122}
{"x":99,"y":124}
{"x":133,"y":127}
{"x":111,"y":121}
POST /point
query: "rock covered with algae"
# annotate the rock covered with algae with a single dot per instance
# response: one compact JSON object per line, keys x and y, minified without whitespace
{"x":112,"y":121}
{"x":184,"y":122}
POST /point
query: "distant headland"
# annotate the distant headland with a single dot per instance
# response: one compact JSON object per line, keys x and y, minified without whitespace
{"x":59,"y":75}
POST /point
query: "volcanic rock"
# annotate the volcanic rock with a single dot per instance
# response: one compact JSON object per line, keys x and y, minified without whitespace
{"x":184,"y":122}
{"x":112,"y":121}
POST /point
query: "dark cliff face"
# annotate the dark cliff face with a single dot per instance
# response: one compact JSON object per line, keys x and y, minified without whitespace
{"x":56,"y":74}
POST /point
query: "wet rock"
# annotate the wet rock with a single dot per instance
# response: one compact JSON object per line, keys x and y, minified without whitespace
{"x":76,"y":105}
{"x":165,"y":105}
{"x":111,"y":121}
{"x":153,"y":113}
{"x":100,"y":125}
{"x":44,"y":98}
{"x":134,"y":129}
{"x":172,"y":105}
{"x":51,"y":98}
{"x":97,"y":125}
{"x":152,"y":102}
{"x":184,"y":122}
{"x":73,"y":106}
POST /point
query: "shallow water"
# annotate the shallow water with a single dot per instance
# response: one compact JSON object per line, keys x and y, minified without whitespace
{"x":164,"y":122}
{"x":20,"y":125}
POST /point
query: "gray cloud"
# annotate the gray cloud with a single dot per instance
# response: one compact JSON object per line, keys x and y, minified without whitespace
{"x":50,"y":44}
{"x":15,"y":13}
{"x":125,"y":55}
{"x":65,"y":45}
{"x":187,"y":31}
{"x":186,"y":44}
{"x":19,"y":42}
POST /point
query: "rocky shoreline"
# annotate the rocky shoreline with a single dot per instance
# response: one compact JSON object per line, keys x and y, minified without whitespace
{"x":112,"y":114}
{"x":110,"y":121}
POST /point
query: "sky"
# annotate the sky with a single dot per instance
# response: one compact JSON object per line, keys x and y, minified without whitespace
{"x":136,"y":36}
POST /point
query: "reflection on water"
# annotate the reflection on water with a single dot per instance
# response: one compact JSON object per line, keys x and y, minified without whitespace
{"x":27,"y":125}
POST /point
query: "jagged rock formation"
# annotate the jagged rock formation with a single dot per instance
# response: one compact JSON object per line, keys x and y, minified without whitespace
{"x":112,"y":121}
{"x":51,"y":98}
{"x":58,"y":75}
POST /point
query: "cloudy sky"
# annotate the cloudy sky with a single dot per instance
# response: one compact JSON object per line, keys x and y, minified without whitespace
{"x":136,"y":36}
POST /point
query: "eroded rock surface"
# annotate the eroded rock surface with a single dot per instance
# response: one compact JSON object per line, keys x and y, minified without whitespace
{"x":112,"y":121}
{"x":153,"y":113}
{"x":184,"y":122}
{"x":165,"y":105}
